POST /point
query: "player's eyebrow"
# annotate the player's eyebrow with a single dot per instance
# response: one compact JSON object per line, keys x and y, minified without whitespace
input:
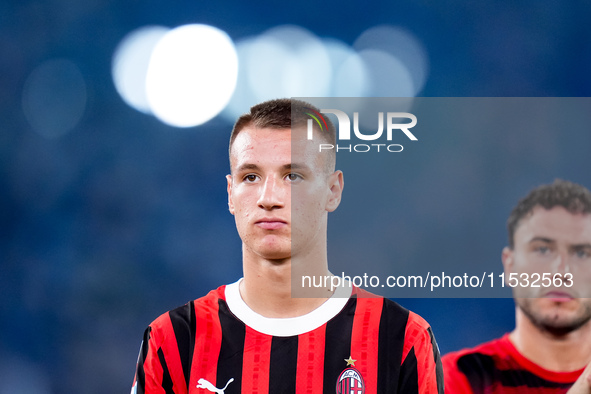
{"x":580,"y":246}
{"x":542,"y":239}
{"x":287,"y":167}
{"x":295,"y":166}
{"x":247,"y":166}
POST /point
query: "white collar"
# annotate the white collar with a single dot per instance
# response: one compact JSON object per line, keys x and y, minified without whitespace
{"x":286,"y":327}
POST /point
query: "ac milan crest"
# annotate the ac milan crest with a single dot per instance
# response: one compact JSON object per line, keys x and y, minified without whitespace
{"x":350,"y":381}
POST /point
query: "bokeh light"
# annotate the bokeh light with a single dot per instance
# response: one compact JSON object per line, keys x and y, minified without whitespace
{"x":285,"y":61}
{"x":130,"y":65}
{"x":266,"y":66}
{"x":243,"y":96}
{"x":185,"y":78}
{"x":350,"y":76}
{"x":389,"y":77}
{"x":400,"y":44}
{"x":304,"y":71}
{"x":164,"y":72}
{"x":54,"y":97}
{"x":192,"y":75}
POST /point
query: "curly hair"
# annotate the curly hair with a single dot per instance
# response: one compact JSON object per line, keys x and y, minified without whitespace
{"x":571,"y":196}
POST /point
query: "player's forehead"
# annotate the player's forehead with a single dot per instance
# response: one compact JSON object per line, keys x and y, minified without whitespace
{"x":556,"y":224}
{"x":267,"y":146}
{"x":259,"y":142}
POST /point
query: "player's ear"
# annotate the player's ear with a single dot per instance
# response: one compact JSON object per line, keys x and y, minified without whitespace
{"x":335,"y":184}
{"x":230,"y":202}
{"x":508,"y":262}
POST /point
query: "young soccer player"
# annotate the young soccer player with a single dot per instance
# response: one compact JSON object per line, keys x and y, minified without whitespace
{"x":252,"y":336}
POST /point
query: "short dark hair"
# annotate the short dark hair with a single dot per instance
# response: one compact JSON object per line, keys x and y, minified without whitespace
{"x":571,"y":196}
{"x":281,"y":114}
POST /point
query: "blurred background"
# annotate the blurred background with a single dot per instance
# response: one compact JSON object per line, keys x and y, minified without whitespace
{"x":114,"y":121}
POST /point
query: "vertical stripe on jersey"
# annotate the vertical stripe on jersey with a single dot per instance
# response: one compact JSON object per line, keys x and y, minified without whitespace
{"x":169,"y":351}
{"x":364,"y":340}
{"x":427,"y":374}
{"x":310,"y":376}
{"x":421,"y":346}
{"x":207,"y":343}
{"x":409,"y":377}
{"x":391,"y":343}
{"x":283,"y":365}
{"x":255,"y":369}
{"x":437,"y":359}
{"x":230,"y":360}
{"x":338,"y":345}
{"x":141,"y":374}
{"x":183,"y":324}
{"x":166,"y":379}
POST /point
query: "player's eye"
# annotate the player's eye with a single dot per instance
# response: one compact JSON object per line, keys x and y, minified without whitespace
{"x":250,"y":178}
{"x":583,"y":253}
{"x":542,"y":250}
{"x":293,"y":177}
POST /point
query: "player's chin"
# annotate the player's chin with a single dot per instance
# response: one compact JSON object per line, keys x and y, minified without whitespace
{"x":275,"y":251}
{"x":563,"y":307}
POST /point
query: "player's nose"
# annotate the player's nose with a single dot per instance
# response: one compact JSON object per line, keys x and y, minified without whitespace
{"x":561,"y":263}
{"x":272,"y":194}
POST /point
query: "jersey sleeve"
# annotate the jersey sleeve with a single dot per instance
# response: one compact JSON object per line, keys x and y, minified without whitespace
{"x":421,"y":370}
{"x":158,"y":367}
{"x":455,"y":381}
{"x":151,"y":374}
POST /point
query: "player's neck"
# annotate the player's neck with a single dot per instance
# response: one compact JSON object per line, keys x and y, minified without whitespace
{"x":267,"y":285}
{"x":559,"y":354}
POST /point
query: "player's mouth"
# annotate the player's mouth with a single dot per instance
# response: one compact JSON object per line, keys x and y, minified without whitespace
{"x":270,"y":223}
{"x":558,"y":296}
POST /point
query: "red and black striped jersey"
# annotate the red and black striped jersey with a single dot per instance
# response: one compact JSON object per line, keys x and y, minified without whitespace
{"x":498,"y":367}
{"x":360,"y":344}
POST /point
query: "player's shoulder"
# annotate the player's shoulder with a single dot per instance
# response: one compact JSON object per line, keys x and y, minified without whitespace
{"x":394,"y":313}
{"x":414,"y":338}
{"x":495,"y":347}
{"x":467,"y":369}
{"x":390,"y":310}
{"x":186,"y":314}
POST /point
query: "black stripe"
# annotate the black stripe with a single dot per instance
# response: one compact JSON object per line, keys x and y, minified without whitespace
{"x":437,"y":359}
{"x":482,"y":373}
{"x":140,"y":373}
{"x":409,"y":374}
{"x":283,"y":365}
{"x":166,"y":379}
{"x":337,"y":346}
{"x":391,"y":344}
{"x":183,"y":324}
{"x":231,"y":351}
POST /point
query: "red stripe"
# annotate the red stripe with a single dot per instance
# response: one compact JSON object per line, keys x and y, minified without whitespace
{"x":310,"y":368}
{"x":170,"y":348}
{"x":417,"y":336}
{"x":153,"y":368}
{"x":411,"y":333}
{"x":208,"y":339}
{"x":365,"y":338}
{"x":256,"y":362}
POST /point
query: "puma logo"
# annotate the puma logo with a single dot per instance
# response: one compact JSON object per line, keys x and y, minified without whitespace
{"x":204,"y":384}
